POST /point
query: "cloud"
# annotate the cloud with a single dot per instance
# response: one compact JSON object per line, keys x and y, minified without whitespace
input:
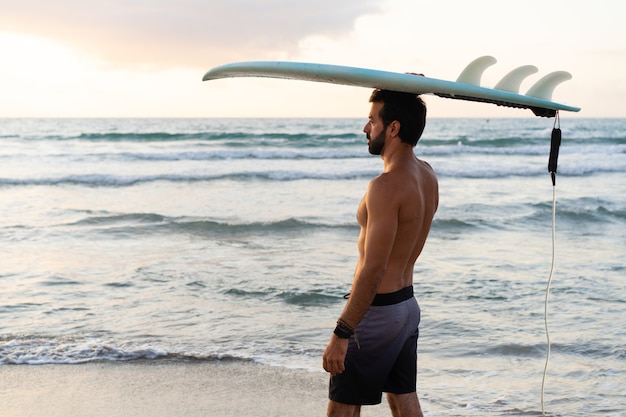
{"x":185,"y":32}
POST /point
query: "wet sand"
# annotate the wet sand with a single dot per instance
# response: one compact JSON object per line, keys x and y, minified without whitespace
{"x":163,"y":389}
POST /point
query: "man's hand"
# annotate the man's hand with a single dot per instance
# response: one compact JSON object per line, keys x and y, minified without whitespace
{"x":335,"y":355}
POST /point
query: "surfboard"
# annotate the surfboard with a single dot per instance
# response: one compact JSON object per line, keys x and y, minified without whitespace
{"x":467,"y":86}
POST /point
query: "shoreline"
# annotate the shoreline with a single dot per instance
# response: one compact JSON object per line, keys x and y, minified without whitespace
{"x":165,"y":388}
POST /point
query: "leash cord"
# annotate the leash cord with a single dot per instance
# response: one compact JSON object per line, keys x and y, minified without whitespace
{"x":545,"y":369}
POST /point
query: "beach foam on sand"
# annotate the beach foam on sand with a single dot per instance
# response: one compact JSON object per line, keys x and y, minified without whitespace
{"x":164,"y":389}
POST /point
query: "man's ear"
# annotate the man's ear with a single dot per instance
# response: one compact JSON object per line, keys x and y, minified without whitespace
{"x":395,"y":128}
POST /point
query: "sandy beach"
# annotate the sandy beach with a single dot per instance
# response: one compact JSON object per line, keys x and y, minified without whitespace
{"x":164,"y":389}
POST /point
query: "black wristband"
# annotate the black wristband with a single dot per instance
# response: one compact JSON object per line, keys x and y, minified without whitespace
{"x":343,"y":331}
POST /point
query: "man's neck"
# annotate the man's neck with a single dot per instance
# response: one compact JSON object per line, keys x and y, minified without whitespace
{"x":398,"y":153}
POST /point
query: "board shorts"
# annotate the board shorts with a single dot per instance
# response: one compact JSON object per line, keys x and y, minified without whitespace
{"x":385,"y":359}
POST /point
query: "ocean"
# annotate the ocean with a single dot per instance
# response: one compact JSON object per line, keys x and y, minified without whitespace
{"x":235,"y":240}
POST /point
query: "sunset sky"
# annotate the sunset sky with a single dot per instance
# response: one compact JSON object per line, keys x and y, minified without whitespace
{"x":140,"y":58}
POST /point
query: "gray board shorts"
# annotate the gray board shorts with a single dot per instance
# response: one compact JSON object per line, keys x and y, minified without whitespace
{"x":385,"y":358}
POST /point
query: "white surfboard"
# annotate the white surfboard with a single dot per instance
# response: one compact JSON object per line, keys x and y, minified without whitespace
{"x":467,"y":86}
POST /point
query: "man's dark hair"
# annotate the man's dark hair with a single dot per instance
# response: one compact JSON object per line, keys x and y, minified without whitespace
{"x":407,"y":108}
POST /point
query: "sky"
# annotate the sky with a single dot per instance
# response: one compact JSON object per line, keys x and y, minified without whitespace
{"x":146,"y":58}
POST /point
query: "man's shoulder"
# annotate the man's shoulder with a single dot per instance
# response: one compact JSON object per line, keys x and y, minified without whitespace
{"x":383,"y":180}
{"x":382,"y":186}
{"x":386,"y":188}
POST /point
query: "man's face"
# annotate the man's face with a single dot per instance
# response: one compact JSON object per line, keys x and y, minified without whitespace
{"x":374,"y":130}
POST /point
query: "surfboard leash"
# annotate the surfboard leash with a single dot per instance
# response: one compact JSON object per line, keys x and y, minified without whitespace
{"x":555,"y":143}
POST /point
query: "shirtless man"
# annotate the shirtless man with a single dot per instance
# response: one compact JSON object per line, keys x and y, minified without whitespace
{"x":374,"y":346}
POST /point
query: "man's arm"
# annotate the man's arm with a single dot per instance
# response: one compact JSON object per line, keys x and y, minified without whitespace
{"x":380,"y":233}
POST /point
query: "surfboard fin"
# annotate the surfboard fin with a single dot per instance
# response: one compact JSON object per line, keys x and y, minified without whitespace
{"x":544,"y":88}
{"x":512,"y":81}
{"x":474,"y":70}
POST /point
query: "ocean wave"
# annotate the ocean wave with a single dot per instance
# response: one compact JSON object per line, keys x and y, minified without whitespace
{"x":127,"y":225}
{"x":591,"y":349}
{"x":474,"y":169}
{"x":116,"y":219}
{"x":582,"y":211}
{"x":234,"y":137}
{"x":40,"y":350}
{"x":77,"y":349}
{"x":208,"y":226}
{"x":587,"y":215}
{"x":270,"y":150}
{"x":124,"y":224}
{"x":106,"y":180}
{"x":134,"y":137}
{"x":452,"y":224}
{"x":271,"y":153}
{"x":99,"y":347}
{"x":150,"y":222}
{"x":304,"y":299}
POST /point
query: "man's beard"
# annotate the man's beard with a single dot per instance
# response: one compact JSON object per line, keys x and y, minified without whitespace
{"x":376,"y":144}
